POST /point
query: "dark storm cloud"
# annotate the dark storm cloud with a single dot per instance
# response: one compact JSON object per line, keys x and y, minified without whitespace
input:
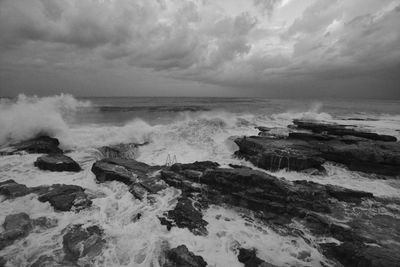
{"x":324,"y":45}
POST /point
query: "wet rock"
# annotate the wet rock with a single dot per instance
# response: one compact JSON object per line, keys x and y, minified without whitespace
{"x":47,"y":261}
{"x":40,"y":144}
{"x":15,"y":226}
{"x":3,"y":262}
{"x":11,"y":189}
{"x":249,"y":258}
{"x":340,"y":130}
{"x":185,"y":215}
{"x":297,"y":154}
{"x":182,"y":257}
{"x":276,"y":154}
{"x":66,"y":197}
{"x":195,"y":166}
{"x":79,"y":242}
{"x":368,"y":255}
{"x":57,"y":162}
{"x":137,"y":175}
{"x":44,"y":222}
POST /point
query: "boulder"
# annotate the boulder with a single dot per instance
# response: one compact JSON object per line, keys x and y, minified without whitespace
{"x":79,"y":242}
{"x":182,"y":257}
{"x":66,"y":197}
{"x":57,"y":162}
{"x":15,"y":226}
{"x":185,"y":215}
{"x":249,"y":258}
{"x":11,"y":189}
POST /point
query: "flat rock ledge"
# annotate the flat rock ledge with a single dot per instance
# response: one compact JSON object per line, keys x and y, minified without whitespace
{"x":57,"y":162}
{"x":311,"y":144}
{"x":62,"y":197}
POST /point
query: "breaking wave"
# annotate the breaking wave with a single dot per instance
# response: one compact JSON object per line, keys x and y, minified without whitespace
{"x":27,"y":117}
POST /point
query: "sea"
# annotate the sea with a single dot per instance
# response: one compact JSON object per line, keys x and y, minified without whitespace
{"x":184,"y":129}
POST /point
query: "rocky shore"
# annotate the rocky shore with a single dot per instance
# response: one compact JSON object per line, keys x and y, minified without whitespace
{"x":360,"y":239}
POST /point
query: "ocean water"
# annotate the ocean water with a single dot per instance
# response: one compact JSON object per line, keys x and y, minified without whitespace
{"x":188,"y":129}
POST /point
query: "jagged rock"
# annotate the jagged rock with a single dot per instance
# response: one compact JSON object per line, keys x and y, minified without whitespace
{"x":340,"y":130}
{"x":137,"y":175}
{"x":182,"y":257}
{"x":11,"y":189}
{"x":15,"y":226}
{"x":297,"y":154}
{"x":249,"y":258}
{"x":57,"y":162}
{"x":185,"y":215}
{"x":79,"y":242}
{"x":40,"y":144}
{"x":47,"y":261}
{"x":65,"y":197}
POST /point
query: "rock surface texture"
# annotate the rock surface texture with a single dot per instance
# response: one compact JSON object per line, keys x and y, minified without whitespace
{"x":57,"y":162}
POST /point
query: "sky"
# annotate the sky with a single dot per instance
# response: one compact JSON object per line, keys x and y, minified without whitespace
{"x":253,"y":48}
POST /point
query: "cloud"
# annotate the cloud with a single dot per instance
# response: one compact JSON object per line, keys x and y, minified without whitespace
{"x":204,"y":41}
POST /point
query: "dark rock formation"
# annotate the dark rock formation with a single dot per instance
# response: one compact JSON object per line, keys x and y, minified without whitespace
{"x":185,"y":215}
{"x":195,"y":166}
{"x":49,"y":261}
{"x":57,"y":162}
{"x":306,"y":153}
{"x":79,"y":242}
{"x":65,"y":197}
{"x":137,"y":175}
{"x":340,"y":130}
{"x":16,"y":226}
{"x":40,"y":144}
{"x":182,"y":257}
{"x":11,"y":189}
{"x":249,"y":258}
{"x":62,"y":197}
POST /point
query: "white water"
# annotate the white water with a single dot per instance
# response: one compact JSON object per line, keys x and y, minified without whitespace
{"x":189,"y":137}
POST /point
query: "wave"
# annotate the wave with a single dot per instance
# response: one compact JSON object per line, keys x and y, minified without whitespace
{"x":153,"y":108}
{"x":27,"y":117}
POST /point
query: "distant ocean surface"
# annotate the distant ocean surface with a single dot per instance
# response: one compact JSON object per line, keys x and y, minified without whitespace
{"x":188,"y":129}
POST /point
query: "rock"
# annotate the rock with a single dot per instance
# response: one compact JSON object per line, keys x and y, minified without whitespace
{"x":15,"y":226}
{"x":137,"y":175}
{"x":249,"y":259}
{"x":66,"y":197}
{"x":368,"y":255}
{"x":57,"y":162}
{"x":182,"y":257}
{"x":340,"y":130}
{"x":276,"y":154}
{"x":3,"y":262}
{"x":195,"y":166}
{"x":47,"y":261}
{"x":40,"y":144}
{"x":185,"y":215}
{"x":11,"y":189}
{"x":44,"y":222}
{"x":79,"y":242}
{"x":298,"y":155}
{"x":121,"y":151}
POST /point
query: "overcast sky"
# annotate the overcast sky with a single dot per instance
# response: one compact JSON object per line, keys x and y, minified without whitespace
{"x":269,"y":48}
